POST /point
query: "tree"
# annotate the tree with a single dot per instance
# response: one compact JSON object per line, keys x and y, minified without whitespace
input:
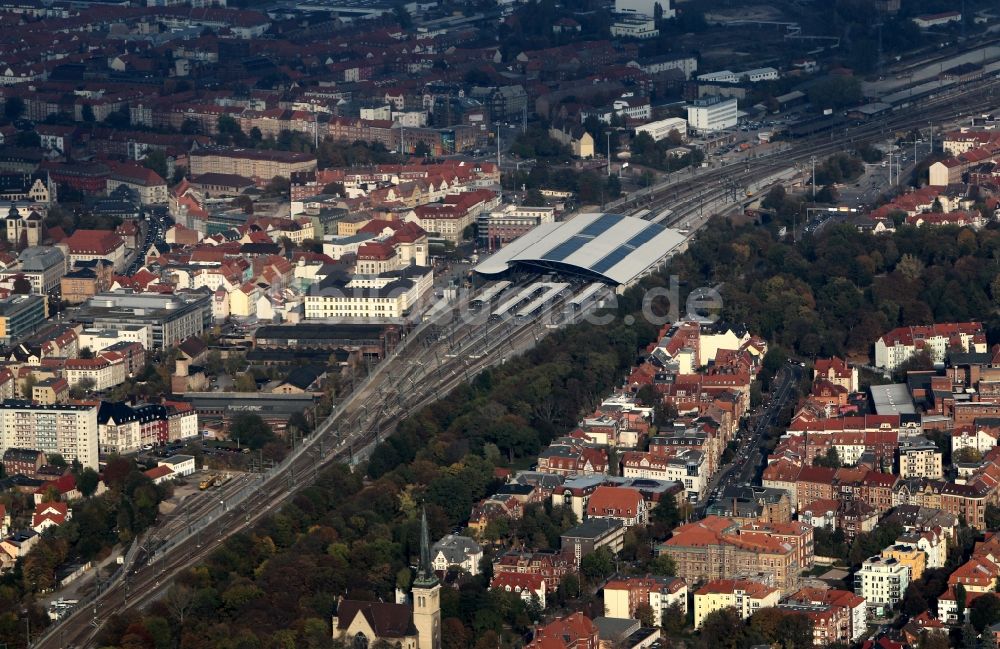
{"x":421,"y":150}
{"x":785,"y":628}
{"x":402,"y":16}
{"x":229,"y":130}
{"x":245,"y":383}
{"x":663,"y":565}
{"x":992,"y":516}
{"x":278,"y":186}
{"x":969,"y":636}
{"x":967,"y":454}
{"x":674,"y":619}
{"x":13,"y":108}
{"x":934,"y":640}
{"x":534,"y":198}
{"x":960,"y":599}
{"x":179,"y":600}
{"x":87,"y":482}
{"x":87,"y":113}
{"x":723,"y":629}
{"x":985,"y":611}
{"x":250,"y":430}
{"x":28,"y":139}
{"x":597,"y":565}
{"x":830,"y":459}
{"x":156,"y":160}
{"x":82,"y":387}
{"x":835,"y":92}
{"x":644,"y":613}
{"x":21,"y":286}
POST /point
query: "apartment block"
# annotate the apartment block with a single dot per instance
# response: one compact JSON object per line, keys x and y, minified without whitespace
{"x":746,"y":597}
{"x":70,"y":430}
{"x":260,"y":165}
{"x":881,"y":581}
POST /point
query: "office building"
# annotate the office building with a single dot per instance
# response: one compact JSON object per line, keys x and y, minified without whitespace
{"x":20,"y":316}
{"x":170,"y":318}
{"x":711,"y":114}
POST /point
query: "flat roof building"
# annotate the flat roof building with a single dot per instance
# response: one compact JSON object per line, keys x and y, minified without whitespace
{"x":69,"y":430}
{"x":170,"y":318}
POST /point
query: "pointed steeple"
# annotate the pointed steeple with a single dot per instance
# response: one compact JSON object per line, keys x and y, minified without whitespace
{"x":425,"y":574}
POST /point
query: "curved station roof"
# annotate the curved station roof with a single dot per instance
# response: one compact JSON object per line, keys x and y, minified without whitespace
{"x":610,"y":248}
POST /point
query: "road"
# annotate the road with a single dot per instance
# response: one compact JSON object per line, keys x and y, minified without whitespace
{"x":432,"y":360}
{"x":748,"y":463}
{"x":729,"y":184}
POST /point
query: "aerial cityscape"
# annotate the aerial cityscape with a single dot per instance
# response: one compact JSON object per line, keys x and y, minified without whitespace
{"x":499,"y":324}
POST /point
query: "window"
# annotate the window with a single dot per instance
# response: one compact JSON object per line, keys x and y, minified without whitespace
{"x":360,"y":641}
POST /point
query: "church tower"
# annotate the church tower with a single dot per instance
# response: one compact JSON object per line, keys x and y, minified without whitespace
{"x":426,"y":595}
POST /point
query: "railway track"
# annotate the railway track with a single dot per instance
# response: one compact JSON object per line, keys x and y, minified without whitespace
{"x":441,"y":365}
{"x":438,"y":367}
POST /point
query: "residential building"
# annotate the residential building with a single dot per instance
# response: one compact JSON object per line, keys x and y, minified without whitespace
{"x":51,"y":514}
{"x":622,"y":596}
{"x":574,"y":631}
{"x":908,"y":555}
{"x":847,"y":627}
{"x":528,"y":586}
{"x":456,"y":551}
{"x":69,"y":430}
{"x":716,"y":548}
{"x":592,"y":534}
{"x":146,"y":183}
{"x":836,"y":371}
{"x":686,"y":466}
{"x":258,"y":164}
{"x":88,"y":245}
{"x":897,"y":346}
{"x":102,"y":372}
{"x":881,"y":582}
{"x":919,"y":458}
{"x":580,"y":142}
{"x":711,"y":114}
{"x":22,"y":461}
{"x":746,"y":597}
{"x":618,"y":503}
{"x":97,"y":340}
{"x":50,"y":391}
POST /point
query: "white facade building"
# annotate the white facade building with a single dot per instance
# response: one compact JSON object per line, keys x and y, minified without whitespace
{"x":662,"y":128}
{"x":635,"y":26}
{"x":69,"y":430}
{"x":881,"y":581}
{"x":645,"y":7}
{"x":97,"y":340}
{"x":712,"y":114}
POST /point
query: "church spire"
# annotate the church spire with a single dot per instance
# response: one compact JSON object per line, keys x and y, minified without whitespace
{"x":425,"y":573}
